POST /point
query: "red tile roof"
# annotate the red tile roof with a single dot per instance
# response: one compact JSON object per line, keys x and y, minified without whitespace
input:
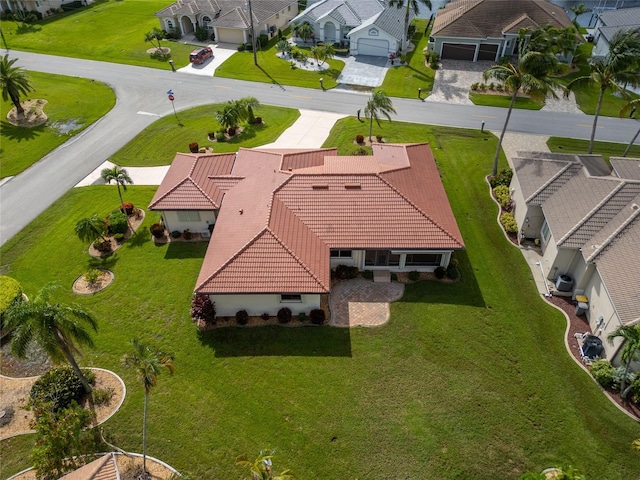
{"x":283,"y":210}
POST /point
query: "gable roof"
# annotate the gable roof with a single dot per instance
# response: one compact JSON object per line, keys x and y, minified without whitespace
{"x":283,"y":210}
{"x":226,"y":13}
{"x":349,"y":13}
{"x":627,"y":17}
{"x":591,"y":208}
{"x":493,"y":18}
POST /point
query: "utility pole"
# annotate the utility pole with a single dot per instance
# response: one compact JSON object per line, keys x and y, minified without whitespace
{"x":253,"y":35}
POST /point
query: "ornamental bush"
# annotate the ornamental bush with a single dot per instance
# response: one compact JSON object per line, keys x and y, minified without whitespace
{"x":59,"y":386}
{"x":414,"y":275}
{"x":118,"y":223}
{"x":242,"y":317}
{"x":618,"y":375}
{"x":157,"y":230}
{"x":359,"y":138}
{"x":284,"y":315}
{"x":10,"y":292}
{"x":503,"y":196}
{"x":508,"y":222}
{"x":128,"y":208}
{"x":602,"y":371}
{"x":502,"y":178}
{"x":440,"y":272}
{"x":345,"y":272}
{"x":202,"y":308}
{"x":317,"y":316}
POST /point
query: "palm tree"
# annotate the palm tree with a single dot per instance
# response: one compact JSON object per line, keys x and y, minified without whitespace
{"x":230,"y":116}
{"x":120,"y":176}
{"x":91,"y":228}
{"x":147,"y":364}
{"x":55,"y":327}
{"x":155,"y":35}
{"x":14,"y":82}
{"x":378,"y":104}
{"x":618,"y":69}
{"x":579,"y":10}
{"x":283,"y":46}
{"x":411,"y":6}
{"x":531,"y":76}
{"x":262,"y":468}
{"x":630,"y":109}
{"x":630,"y":335}
{"x":248,"y":104}
{"x":304,"y":31}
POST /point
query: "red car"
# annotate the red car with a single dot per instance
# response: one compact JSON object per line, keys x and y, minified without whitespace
{"x":200,"y":55}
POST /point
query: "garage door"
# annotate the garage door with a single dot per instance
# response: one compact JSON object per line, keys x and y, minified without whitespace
{"x":230,"y":35}
{"x":458,"y":51}
{"x":487,"y":52}
{"x":375,"y":48}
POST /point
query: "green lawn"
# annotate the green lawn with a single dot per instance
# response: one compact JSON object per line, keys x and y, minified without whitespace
{"x":606,"y":149}
{"x":504,"y":101}
{"x":71,"y":102}
{"x":158,"y":143}
{"x":404,"y":81}
{"x":468,"y":380}
{"x":108,"y":30}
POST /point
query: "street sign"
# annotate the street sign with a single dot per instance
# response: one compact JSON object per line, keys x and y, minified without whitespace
{"x":171,"y":97}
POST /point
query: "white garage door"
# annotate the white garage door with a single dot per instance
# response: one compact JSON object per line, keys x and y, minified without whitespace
{"x":373,"y":47}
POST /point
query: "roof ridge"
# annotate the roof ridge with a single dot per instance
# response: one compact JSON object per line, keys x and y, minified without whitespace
{"x":591,"y":213}
{"x":179,"y":184}
{"x":615,"y":233}
{"x":550,"y":181}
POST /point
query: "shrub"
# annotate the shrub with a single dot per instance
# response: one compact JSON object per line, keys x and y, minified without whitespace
{"x":157,"y":230}
{"x":452,"y":270}
{"x":220,"y":136}
{"x":265,"y":317}
{"x":10,"y":291}
{"x":241,"y":47}
{"x":59,"y":386}
{"x":475,"y":86}
{"x":317,"y":316}
{"x":202,"y":308}
{"x":361,"y":152}
{"x":440,"y":272}
{"x":502,"y":178}
{"x":635,"y":390}
{"x":379,"y":138}
{"x":602,"y":371}
{"x":302,"y":317}
{"x":257,"y":121}
{"x":499,"y":87}
{"x":201,"y":33}
{"x":187,"y":235}
{"x":284,"y":315}
{"x":492,"y":86}
{"x":483,"y":87}
{"x":508,"y":222}
{"x":173,"y":34}
{"x":118,"y":222}
{"x":344,"y":272}
{"x":263,"y":39}
{"x":242,"y":317}
{"x":359,"y":138}
{"x":503,"y":196}
{"x":102,"y":395}
{"x":127,"y":207}
{"x":193,"y":147}
{"x":618,"y":375}
{"x":368,"y":274}
{"x":414,"y":275}
{"x":91,"y":276}
{"x":102,"y":246}
{"x":176,"y":234}
{"x":119,"y":237}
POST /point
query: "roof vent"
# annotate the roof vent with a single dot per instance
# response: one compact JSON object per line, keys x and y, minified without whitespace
{"x":320,"y":187}
{"x":634,"y":206}
{"x":352,"y":186}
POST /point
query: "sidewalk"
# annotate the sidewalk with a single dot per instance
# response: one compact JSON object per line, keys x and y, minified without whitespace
{"x":310,"y":130}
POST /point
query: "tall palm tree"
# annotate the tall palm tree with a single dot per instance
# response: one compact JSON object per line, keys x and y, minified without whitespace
{"x":262,"y":468}
{"x":91,"y":228}
{"x":147,"y":363}
{"x":248,"y":104}
{"x":531,"y":75}
{"x":618,"y":69}
{"x":410,"y":6}
{"x":55,"y":327}
{"x":120,"y":176}
{"x":14,"y":81}
{"x":378,"y":104}
{"x":304,"y":31}
{"x":229,"y":116}
{"x":579,"y":10}
{"x":630,"y":335}
{"x":630,"y":108}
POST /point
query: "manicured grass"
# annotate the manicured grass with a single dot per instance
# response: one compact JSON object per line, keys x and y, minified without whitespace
{"x":467,"y":380}
{"x":158,"y":143}
{"x":404,"y":80}
{"x":606,"y":149}
{"x":70,"y":99}
{"x":277,"y":71}
{"x":504,"y":101}
{"x":108,"y":30}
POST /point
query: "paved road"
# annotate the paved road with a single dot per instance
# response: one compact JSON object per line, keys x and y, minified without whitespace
{"x":142,"y":99}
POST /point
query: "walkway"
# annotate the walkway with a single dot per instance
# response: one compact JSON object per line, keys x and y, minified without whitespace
{"x":361,"y":302}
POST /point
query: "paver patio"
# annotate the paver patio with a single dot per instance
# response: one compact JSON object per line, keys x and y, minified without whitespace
{"x":361,"y":302}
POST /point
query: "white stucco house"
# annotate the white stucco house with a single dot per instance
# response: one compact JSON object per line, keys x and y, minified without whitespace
{"x":45,"y":7}
{"x":369,"y":27}
{"x":586,"y":215}
{"x":489,"y":29}
{"x":228,"y":21}
{"x":611,"y":22}
{"x":281,"y":220}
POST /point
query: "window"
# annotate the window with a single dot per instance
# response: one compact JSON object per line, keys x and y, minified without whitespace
{"x":206,"y":22}
{"x":169,"y":25}
{"x":277,"y":16}
{"x":545,"y":233}
{"x":381,"y":258}
{"x":341,"y":254}
{"x":188,"y":216}
{"x":290,"y":298}
{"x":423,"y":259}
{"x":289,"y":8}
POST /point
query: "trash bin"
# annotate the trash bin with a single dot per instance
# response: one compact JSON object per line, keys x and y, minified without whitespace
{"x":581,"y":308}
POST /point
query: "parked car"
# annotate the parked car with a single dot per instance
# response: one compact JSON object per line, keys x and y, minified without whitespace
{"x":200,"y":55}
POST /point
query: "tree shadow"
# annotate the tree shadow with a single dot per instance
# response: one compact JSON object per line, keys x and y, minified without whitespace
{"x":139,"y":238}
{"x":104,"y":263}
{"x":278,"y":341}
{"x":23,"y":28}
{"x":12,"y":132}
{"x":273,"y":80}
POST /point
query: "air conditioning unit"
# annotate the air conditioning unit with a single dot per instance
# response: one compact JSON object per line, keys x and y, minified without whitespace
{"x":564,"y":283}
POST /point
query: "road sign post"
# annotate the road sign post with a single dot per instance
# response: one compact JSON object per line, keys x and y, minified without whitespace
{"x":171,"y":99}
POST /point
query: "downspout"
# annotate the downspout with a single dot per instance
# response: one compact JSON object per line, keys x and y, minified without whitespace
{"x":544,"y":279}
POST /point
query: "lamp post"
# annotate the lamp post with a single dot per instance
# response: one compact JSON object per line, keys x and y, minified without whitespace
{"x":253,"y":34}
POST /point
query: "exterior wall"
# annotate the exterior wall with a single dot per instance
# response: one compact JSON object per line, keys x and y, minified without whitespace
{"x":549,"y":253}
{"x":565,"y":264}
{"x":228,"y":305}
{"x":601,"y":47}
{"x":171,"y":222}
{"x":368,"y":34}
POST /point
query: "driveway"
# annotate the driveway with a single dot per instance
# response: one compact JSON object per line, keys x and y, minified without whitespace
{"x":221,"y":52}
{"x":364,"y":70}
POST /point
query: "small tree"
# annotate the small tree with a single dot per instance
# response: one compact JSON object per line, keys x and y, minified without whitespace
{"x":578,"y":10}
{"x":630,"y":335}
{"x":283,"y":46}
{"x":122,"y":178}
{"x":91,"y":228}
{"x":304,"y":31}
{"x":262,"y":468}
{"x":248,"y":104}
{"x":155,"y":35}
{"x":14,"y":82}
{"x":378,"y":104}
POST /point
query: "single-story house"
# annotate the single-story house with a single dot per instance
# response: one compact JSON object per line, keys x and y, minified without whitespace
{"x":228,"y":21}
{"x":611,"y":22}
{"x":369,"y":27}
{"x":586,"y":217}
{"x":489,"y":29}
{"x":281,"y":220}
{"x":45,"y":7}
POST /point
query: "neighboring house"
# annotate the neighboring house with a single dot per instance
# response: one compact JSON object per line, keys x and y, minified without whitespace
{"x":228,"y":21}
{"x":45,"y":7}
{"x":586,"y":216}
{"x":611,"y":22}
{"x":284,"y":218}
{"x":488,"y":29}
{"x":369,"y":27}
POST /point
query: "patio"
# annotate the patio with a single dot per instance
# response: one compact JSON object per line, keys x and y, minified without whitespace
{"x":360,"y":302}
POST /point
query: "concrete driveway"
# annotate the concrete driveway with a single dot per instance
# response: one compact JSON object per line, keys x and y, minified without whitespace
{"x":364,"y":70}
{"x":221,"y":52}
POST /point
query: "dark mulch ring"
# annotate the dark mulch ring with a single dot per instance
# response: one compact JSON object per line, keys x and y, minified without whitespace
{"x":36,"y":363}
{"x":580,"y":325}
